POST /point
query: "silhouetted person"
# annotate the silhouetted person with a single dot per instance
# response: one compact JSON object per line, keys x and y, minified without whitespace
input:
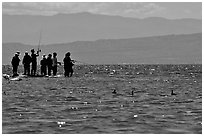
{"x":43,"y":64}
{"x":54,"y":63}
{"x":26,"y":63}
{"x":34,"y":61}
{"x":68,"y":63}
{"x":15,"y":63}
{"x":49,"y":64}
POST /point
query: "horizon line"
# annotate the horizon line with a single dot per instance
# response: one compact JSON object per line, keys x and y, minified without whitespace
{"x":89,"y":13}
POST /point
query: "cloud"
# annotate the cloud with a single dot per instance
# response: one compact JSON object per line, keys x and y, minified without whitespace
{"x":130,"y":9}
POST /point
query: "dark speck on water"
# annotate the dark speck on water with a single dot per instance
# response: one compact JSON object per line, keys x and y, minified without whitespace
{"x":86,"y":103}
{"x":114,"y":91}
{"x":172,"y":92}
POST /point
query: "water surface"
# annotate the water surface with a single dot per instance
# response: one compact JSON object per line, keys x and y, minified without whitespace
{"x":85,"y":103}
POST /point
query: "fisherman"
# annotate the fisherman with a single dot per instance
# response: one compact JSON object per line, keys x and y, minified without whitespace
{"x":54,"y":63}
{"x":26,"y":63}
{"x":68,"y":63}
{"x":49,"y":64}
{"x":15,"y":63}
{"x":34,"y":61}
{"x":43,"y":64}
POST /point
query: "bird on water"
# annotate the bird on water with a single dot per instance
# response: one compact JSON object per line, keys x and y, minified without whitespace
{"x":114,"y":91}
{"x":132,"y":93}
{"x":172,"y":92}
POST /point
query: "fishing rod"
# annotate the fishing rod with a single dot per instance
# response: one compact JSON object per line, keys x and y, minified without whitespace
{"x":39,"y":50}
{"x":78,"y":62}
{"x":81,"y":62}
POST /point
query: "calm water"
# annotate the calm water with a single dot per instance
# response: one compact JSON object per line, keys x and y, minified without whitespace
{"x":85,"y":103}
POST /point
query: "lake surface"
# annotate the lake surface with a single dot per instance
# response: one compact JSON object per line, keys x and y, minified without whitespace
{"x":85,"y":103}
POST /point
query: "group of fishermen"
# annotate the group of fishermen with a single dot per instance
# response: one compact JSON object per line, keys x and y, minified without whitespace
{"x":48,"y":64}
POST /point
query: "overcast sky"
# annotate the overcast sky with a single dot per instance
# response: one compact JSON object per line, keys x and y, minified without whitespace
{"x":171,"y":10}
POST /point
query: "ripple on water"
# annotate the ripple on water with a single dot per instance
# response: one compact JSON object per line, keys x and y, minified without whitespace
{"x":177,"y":131}
{"x":87,"y":105}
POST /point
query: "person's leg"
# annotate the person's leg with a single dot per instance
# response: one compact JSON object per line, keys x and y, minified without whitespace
{"x":68,"y":72}
{"x":71,"y":72}
{"x":34,"y":69}
{"x":45,"y":70}
{"x":54,"y":70}
{"x":24,"y":70}
{"x":14,"y":70}
{"x":28,"y":69}
{"x":41,"y":70}
{"x":49,"y":70}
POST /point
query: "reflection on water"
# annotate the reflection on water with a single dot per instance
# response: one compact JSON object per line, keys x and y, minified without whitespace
{"x":85,"y":103}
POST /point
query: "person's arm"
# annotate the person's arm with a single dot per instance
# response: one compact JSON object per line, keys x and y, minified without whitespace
{"x":37,"y":54}
{"x":73,"y":61}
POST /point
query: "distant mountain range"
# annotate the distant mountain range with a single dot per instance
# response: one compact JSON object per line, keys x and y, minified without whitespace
{"x":169,"y":49}
{"x":63,"y":28}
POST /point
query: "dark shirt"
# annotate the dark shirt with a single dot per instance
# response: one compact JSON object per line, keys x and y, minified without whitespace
{"x":26,"y":60}
{"x":67,"y":62}
{"x":49,"y":61}
{"x":15,"y":61}
{"x":34,"y":58}
{"x":43,"y":62}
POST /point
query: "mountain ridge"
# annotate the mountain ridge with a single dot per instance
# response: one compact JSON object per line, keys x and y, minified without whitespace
{"x":63,"y":28}
{"x":102,"y":39}
{"x":94,"y":14}
{"x":169,"y":49}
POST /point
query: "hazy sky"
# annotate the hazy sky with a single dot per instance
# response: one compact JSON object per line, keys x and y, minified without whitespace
{"x":170,"y":10}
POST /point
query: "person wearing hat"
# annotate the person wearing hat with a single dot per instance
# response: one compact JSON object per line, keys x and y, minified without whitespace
{"x":15,"y":63}
{"x":34,"y":61}
{"x":43,"y":64}
{"x":26,"y":63}
{"x":18,"y":52}
{"x":49,"y":64}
